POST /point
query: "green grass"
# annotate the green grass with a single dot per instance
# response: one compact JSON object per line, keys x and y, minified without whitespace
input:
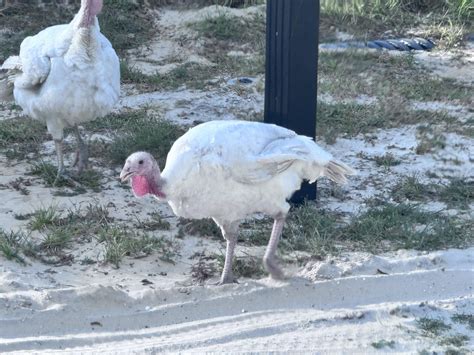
{"x":457,"y":193}
{"x":202,"y":227}
{"x":126,"y":24}
{"x":402,"y":226}
{"x":190,"y":75}
{"x":383,"y":344}
{"x":449,"y":20}
{"x":156,"y":222}
{"x":228,"y":27}
{"x":83,"y":224}
{"x":145,"y":134}
{"x":464,"y":318}
{"x":21,"y":136}
{"x":351,"y":73}
{"x":457,"y":340}
{"x":55,"y":240}
{"x":11,"y":245}
{"x":351,"y":119}
{"x":410,"y":188}
{"x":308,"y":229}
{"x":121,"y":242}
{"x":387,"y":160}
{"x":89,"y":179}
{"x":44,"y":217}
{"x":431,"y":327}
{"x":244,"y":266}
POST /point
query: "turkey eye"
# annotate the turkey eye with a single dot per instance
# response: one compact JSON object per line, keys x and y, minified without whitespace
{"x":140,"y":162}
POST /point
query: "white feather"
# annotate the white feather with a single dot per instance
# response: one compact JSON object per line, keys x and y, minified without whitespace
{"x":69,"y":75}
{"x":229,"y":169}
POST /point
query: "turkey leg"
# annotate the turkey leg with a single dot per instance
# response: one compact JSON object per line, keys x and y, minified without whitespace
{"x":59,"y":153}
{"x":230,"y":233}
{"x":82,"y":153}
{"x":269,"y":259}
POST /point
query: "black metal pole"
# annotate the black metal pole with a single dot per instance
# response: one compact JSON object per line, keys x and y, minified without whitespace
{"x":291,"y":70}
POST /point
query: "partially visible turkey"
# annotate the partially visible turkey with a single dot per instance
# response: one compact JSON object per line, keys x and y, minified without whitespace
{"x":228,"y":170}
{"x":65,"y":75}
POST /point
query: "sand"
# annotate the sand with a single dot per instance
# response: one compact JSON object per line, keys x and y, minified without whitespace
{"x":346,"y":304}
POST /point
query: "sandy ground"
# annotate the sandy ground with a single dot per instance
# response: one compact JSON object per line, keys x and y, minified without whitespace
{"x":342,"y":304}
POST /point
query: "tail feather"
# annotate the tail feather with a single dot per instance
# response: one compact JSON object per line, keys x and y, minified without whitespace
{"x":337,"y":171}
{"x":9,"y":70}
{"x":6,"y":88}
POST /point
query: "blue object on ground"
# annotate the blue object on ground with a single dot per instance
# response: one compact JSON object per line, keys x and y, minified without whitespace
{"x":403,"y":44}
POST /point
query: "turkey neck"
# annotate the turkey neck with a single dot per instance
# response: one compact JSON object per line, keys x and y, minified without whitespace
{"x":157,"y":183}
{"x":88,"y":11}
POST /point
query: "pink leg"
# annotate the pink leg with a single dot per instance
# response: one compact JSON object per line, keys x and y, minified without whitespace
{"x":230,"y":233}
{"x":269,"y":259}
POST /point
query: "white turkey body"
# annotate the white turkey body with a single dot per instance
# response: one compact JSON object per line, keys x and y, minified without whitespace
{"x":230,"y":169}
{"x":65,"y":75}
{"x":227,"y":170}
{"x":63,"y":82}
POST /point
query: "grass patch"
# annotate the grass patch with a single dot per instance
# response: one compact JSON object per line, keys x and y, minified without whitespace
{"x":156,"y":222}
{"x":465,"y":318}
{"x":410,"y":188}
{"x":21,"y":136}
{"x":310,"y":230}
{"x":202,"y":227}
{"x":383,"y":344}
{"x":458,"y":193}
{"x":126,"y":24}
{"x":406,"y":227}
{"x":146,"y":134}
{"x":12,"y":244}
{"x":89,"y":179}
{"x":244,"y":266}
{"x":351,"y":119}
{"x":190,"y":75}
{"x":132,"y":131}
{"x":92,"y":222}
{"x":457,"y":340}
{"x":431,"y":327}
{"x":55,"y":240}
{"x":44,"y":217}
{"x":349,"y":74}
{"x":383,"y":227}
{"x":387,"y":160}
{"x":228,"y":27}
{"x":121,"y":242}
{"x":368,"y":19}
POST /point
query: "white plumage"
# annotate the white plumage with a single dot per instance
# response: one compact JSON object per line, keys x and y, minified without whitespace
{"x":227,"y":170}
{"x":65,"y":75}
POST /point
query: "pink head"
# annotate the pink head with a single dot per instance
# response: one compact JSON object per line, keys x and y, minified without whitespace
{"x":90,"y":9}
{"x":143,"y":171}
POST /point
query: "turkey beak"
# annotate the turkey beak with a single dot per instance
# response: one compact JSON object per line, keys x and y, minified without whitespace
{"x":125,"y":174}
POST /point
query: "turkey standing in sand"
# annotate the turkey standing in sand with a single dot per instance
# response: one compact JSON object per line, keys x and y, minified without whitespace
{"x":227,"y":170}
{"x":65,"y":75}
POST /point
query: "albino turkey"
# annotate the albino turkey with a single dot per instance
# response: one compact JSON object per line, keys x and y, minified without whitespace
{"x":65,"y":75}
{"x":228,"y":170}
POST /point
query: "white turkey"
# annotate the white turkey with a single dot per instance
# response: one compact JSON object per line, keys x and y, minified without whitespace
{"x":227,"y":170}
{"x":65,"y":75}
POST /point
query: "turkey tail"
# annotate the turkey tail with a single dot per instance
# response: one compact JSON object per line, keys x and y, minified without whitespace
{"x":6,"y":88}
{"x":9,"y":70}
{"x":337,"y":171}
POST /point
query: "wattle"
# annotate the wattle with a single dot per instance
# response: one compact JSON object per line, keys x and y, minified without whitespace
{"x":143,"y":185}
